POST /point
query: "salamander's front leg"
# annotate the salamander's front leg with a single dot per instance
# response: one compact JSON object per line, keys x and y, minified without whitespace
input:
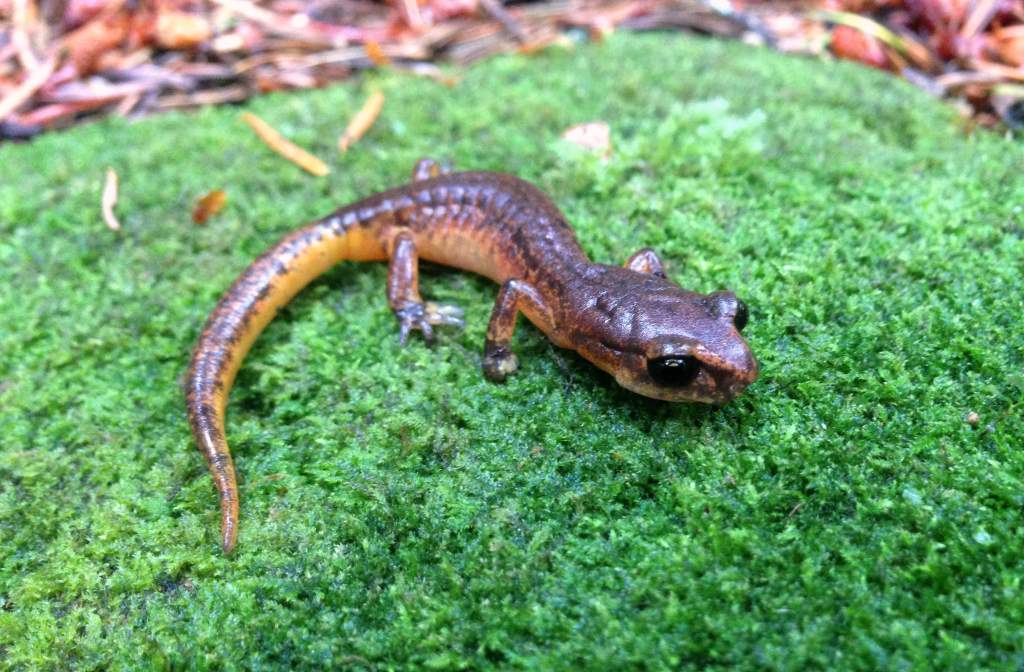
{"x":646,"y":261}
{"x":404,"y":294}
{"x":428,"y":168}
{"x":515,"y":296}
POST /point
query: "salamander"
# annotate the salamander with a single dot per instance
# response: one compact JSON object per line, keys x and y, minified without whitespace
{"x":632,"y":321}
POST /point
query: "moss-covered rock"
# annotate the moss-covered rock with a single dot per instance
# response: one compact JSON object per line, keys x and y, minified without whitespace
{"x":398,"y":511}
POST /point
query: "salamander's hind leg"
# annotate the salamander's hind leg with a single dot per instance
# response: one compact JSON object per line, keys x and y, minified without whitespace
{"x":428,"y":168}
{"x":514,"y":297}
{"x":404,"y":294}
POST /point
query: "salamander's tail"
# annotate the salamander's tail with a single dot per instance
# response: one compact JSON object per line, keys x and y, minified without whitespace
{"x":208,"y":429}
{"x":242,"y":313}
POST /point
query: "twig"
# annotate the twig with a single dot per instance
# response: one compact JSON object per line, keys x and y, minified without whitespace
{"x":349,"y":55}
{"x":285,"y":147}
{"x":498,"y":12}
{"x":955,"y":80}
{"x":127,"y":104}
{"x":274,"y":23}
{"x":48,"y":116}
{"x":21,"y":93}
{"x":250,"y":11}
{"x":1004,"y":71}
{"x":110,"y":200}
{"x":413,"y":16}
{"x":431,"y":71}
{"x":362,"y":121}
{"x":228,"y":94}
{"x":97,"y":90}
{"x":980,"y":15}
{"x":20,"y":35}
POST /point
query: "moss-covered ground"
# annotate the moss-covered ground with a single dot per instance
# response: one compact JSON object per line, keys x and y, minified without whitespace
{"x":400,"y":512}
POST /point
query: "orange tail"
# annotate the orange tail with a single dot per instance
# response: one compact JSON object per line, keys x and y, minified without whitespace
{"x":242,"y":313}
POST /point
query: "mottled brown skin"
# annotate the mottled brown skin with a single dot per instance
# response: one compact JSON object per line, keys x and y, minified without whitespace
{"x":630,"y":321}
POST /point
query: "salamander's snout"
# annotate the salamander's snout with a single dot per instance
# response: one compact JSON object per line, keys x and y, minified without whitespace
{"x":732,"y":386}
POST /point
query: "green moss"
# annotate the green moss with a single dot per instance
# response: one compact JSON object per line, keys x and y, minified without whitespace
{"x":398,"y":511}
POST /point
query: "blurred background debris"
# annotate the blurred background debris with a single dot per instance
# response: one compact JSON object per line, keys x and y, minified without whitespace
{"x":67,"y":61}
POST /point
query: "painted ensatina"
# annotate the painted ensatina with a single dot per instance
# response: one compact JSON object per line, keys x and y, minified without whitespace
{"x":655,"y":338}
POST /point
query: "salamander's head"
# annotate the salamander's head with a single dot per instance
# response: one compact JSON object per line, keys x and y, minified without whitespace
{"x":662,"y":341}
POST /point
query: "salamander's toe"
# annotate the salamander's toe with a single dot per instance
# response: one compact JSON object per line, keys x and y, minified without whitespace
{"x":444,"y":314}
{"x":413,"y":317}
{"x":423,"y":317}
{"x":499,"y":363}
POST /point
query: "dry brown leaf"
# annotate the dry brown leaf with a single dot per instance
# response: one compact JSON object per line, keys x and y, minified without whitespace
{"x":285,"y":147}
{"x":209,"y":205}
{"x":109,"y":200}
{"x":78,"y":12}
{"x":284,"y":44}
{"x":1009,"y":43}
{"x":362,"y":121}
{"x":595,"y":136}
{"x":441,"y":10}
{"x":181,"y":30}
{"x":93,"y":40}
{"x":905,"y":44}
{"x":853,"y":45}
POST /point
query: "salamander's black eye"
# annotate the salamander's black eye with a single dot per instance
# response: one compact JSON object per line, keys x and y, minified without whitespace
{"x":742,"y":315}
{"x":673,"y":371}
